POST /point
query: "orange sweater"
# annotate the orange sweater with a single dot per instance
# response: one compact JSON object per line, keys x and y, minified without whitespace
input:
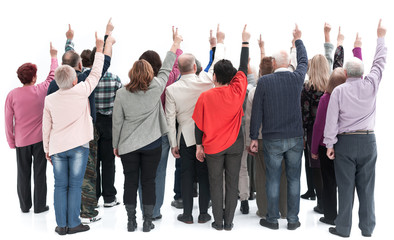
{"x":218,"y":113}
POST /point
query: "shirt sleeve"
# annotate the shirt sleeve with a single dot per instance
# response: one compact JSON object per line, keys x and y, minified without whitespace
{"x":9,"y":121}
{"x":331,"y":126}
{"x":46,"y":127}
{"x":302,"y":61}
{"x":318,"y":126}
{"x":51,"y":76}
{"x":378,"y":64}
{"x":117,"y":121}
{"x":357,"y":53}
{"x":248,"y":114}
{"x":338,"y":57}
{"x":171,"y":119}
{"x":257,"y":111}
{"x":69,"y":45}
{"x":328,"y":48}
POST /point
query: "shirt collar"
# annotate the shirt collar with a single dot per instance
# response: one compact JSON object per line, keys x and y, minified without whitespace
{"x":353,"y":79}
{"x":282,"y":70}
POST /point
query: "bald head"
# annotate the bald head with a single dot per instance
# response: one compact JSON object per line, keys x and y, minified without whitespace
{"x":187,"y":64}
{"x":281,"y":59}
{"x":354,"y":68}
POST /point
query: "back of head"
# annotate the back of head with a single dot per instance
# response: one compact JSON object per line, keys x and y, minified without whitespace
{"x":319,"y":73}
{"x":27,"y":72}
{"x":281,"y":59}
{"x":186,"y":63}
{"x":153,"y":59}
{"x":224,"y":71}
{"x":70,"y":58}
{"x":337,"y":77}
{"x":199,"y":67}
{"x":65,"y":76}
{"x":354,"y":68}
{"x":86,"y":58}
{"x":141,"y":75}
{"x":265,"y":66}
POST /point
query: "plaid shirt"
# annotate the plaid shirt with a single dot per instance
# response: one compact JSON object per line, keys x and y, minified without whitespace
{"x":105,"y":93}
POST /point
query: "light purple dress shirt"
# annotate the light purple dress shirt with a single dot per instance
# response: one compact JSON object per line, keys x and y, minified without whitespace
{"x":352,"y":105}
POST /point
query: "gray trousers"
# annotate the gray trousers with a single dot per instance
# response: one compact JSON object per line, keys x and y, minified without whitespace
{"x":228,"y":161}
{"x":355,"y":160}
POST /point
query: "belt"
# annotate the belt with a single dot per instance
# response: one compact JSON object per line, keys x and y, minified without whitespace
{"x":363,"y":132}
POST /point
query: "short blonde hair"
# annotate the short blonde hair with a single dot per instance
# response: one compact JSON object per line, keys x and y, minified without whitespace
{"x":319,"y":73}
{"x":65,"y":76}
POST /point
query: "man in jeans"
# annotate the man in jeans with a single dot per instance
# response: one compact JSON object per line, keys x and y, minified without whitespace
{"x":277,"y":107}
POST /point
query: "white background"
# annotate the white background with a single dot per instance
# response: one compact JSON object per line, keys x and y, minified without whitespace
{"x":27,"y":27}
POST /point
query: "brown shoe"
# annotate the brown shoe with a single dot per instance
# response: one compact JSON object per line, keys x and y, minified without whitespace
{"x":79,"y":228}
{"x":61,"y":230}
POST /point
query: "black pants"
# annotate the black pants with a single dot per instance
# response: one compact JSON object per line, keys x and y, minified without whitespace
{"x":329,"y":184}
{"x":24,"y":159}
{"x":105,"y":155}
{"x":227,"y":162}
{"x":191,"y":169}
{"x":134,"y":163}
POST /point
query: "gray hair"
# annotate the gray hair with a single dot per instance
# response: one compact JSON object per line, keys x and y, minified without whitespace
{"x":354,"y":68}
{"x":186,"y":62}
{"x":281,"y":58}
{"x":64,"y":76}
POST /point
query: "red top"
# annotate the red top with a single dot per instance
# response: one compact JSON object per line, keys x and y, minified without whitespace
{"x":218,"y":113}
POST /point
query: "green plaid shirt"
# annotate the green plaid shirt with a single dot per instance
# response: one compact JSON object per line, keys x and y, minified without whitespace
{"x":105,"y":93}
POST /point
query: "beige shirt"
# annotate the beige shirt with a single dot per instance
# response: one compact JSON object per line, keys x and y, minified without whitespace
{"x":181,"y":98}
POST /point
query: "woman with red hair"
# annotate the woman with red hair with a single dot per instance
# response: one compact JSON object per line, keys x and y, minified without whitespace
{"x":23,"y":124}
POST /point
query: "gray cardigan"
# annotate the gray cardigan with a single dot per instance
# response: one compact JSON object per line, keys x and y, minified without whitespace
{"x":138,"y":118}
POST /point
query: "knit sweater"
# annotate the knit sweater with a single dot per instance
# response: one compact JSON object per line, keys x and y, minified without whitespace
{"x":138,"y":117}
{"x":276,"y":103}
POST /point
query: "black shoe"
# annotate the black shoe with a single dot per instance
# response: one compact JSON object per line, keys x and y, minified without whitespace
{"x":252,"y":196}
{"x":46,"y":208}
{"x":147,"y":226}
{"x":61,"y":230}
{"x":228,"y":227}
{"x":309,"y":195}
{"x":244,"y":207}
{"x":131,"y":226}
{"x":25,"y":210}
{"x":178,"y":203}
{"x":157,"y":218}
{"x":326,"y":221}
{"x":333,"y":230}
{"x":293,"y":226}
{"x":318,"y":209}
{"x":269,"y":225}
{"x":216,"y":226}
{"x":77,"y":229}
{"x":366,"y":234}
{"x":185,"y":219}
{"x":204,"y":217}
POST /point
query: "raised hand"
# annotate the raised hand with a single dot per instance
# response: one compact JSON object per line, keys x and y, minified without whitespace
{"x":110,"y":39}
{"x":340,"y":38}
{"x":260,"y":42}
{"x":358,"y":43}
{"x":99,"y":44}
{"x":245,"y":35}
{"x":52,"y":51}
{"x":70,"y":33}
{"x":212,"y":40}
{"x":297,"y":33}
{"x":220,"y":35}
{"x":110,"y":27}
{"x":177,"y":40}
{"x":381,"y":30}
{"x":327,"y":30}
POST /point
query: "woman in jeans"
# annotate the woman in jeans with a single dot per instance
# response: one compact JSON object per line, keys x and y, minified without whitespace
{"x":67,"y":130}
{"x":138,"y":125}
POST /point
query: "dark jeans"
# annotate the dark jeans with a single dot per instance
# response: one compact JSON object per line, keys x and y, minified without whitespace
{"x":134,"y":163}
{"x":290,"y":150}
{"x":229,"y":163}
{"x":191,"y":168}
{"x":329,"y":185}
{"x":24,"y":156}
{"x":355,"y":161}
{"x":177,"y":179}
{"x":105,"y":155}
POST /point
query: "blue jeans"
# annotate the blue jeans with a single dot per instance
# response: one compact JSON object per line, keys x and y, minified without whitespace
{"x":291,"y":151}
{"x":68,"y":169}
{"x":160,"y":179}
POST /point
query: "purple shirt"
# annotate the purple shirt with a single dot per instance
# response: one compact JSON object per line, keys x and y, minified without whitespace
{"x":352,"y":105}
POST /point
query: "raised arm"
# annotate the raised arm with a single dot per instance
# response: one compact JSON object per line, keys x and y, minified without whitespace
{"x":69,"y":42}
{"x":219,"y":51}
{"x":379,"y":61}
{"x":43,"y":87}
{"x":302,"y":58}
{"x":243,"y":63}
{"x":357,"y":48}
{"x":212,"y":44}
{"x":339,"y":52}
{"x":328,"y":46}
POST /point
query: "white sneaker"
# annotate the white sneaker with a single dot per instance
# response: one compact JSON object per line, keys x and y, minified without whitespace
{"x":111,"y":204}
{"x":90,"y":220}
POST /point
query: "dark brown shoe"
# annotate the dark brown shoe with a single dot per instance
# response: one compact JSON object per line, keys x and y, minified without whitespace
{"x":79,"y":228}
{"x":61,"y":230}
